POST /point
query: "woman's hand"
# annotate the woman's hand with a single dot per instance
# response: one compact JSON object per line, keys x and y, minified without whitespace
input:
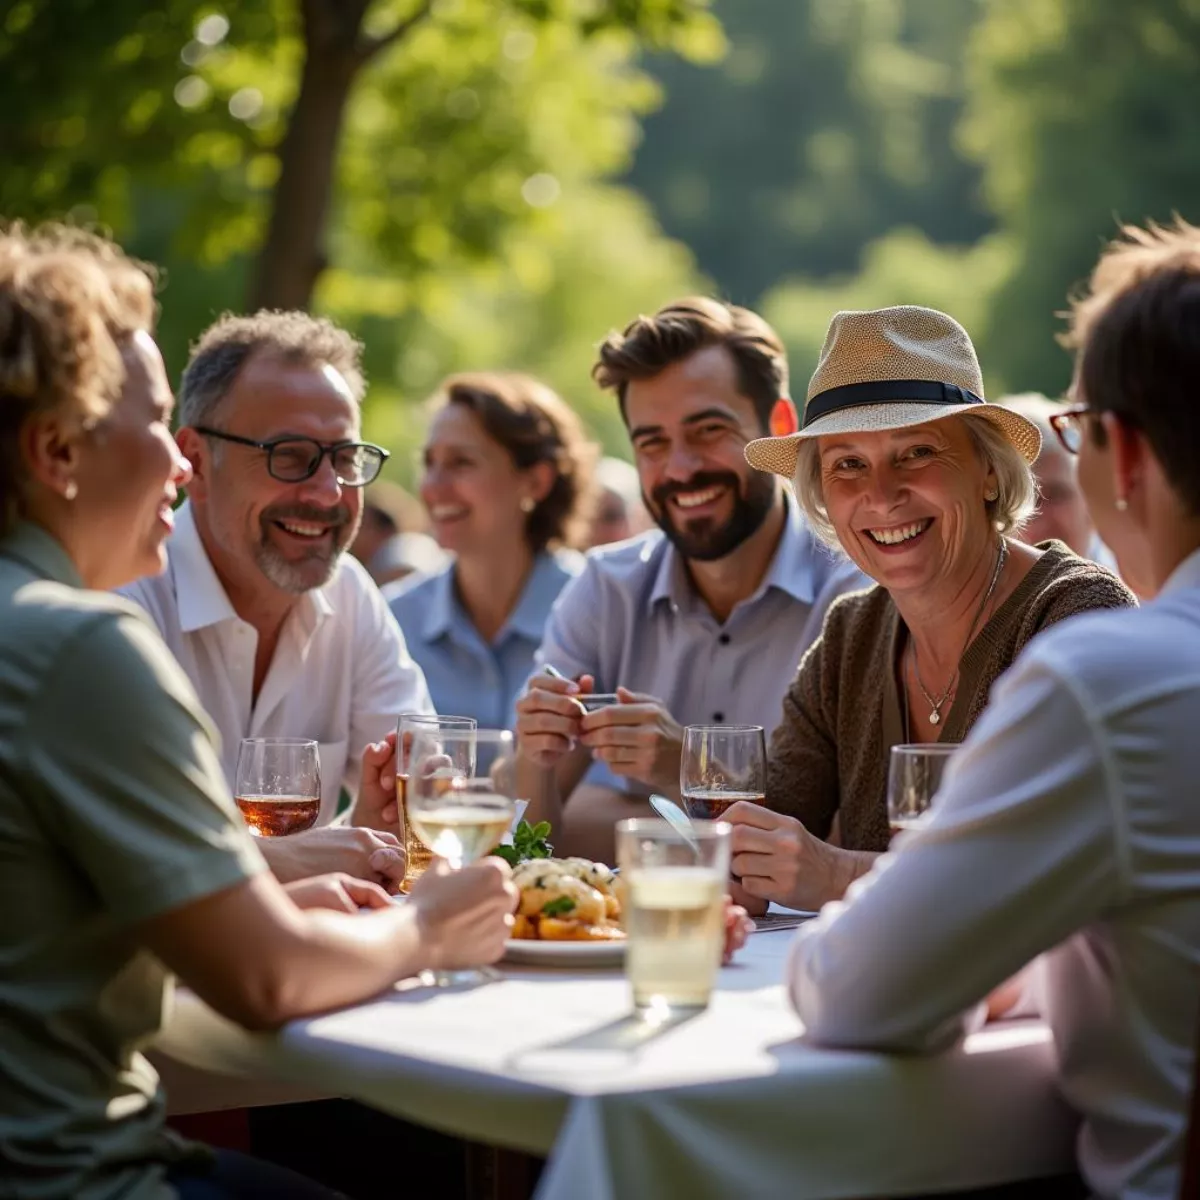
{"x":339,"y":891}
{"x":776,"y":858}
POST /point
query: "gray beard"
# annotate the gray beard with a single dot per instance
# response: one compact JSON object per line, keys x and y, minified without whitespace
{"x":296,"y":578}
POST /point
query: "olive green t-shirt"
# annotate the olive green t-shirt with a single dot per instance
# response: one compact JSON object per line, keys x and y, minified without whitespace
{"x":113,"y":810}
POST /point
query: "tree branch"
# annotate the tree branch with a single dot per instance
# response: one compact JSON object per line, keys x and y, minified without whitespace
{"x":369,"y":47}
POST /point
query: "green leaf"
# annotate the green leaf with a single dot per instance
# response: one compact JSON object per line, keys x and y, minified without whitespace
{"x":559,"y":907}
{"x":541,"y":830}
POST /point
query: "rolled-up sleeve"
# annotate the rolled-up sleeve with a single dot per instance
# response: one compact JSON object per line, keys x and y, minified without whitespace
{"x":1019,"y":854}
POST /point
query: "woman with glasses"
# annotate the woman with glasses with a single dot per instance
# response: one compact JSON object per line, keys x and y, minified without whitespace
{"x":507,"y":482}
{"x":124,"y":860}
{"x":902,"y":464}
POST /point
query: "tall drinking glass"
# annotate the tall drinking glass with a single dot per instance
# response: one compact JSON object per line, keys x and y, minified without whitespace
{"x":278,"y":785}
{"x":458,"y":815}
{"x":673,"y":898}
{"x":417,"y":855}
{"x":914,"y":776}
{"x":720,"y":765}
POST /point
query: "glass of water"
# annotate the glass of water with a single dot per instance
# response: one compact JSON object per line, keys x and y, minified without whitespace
{"x":673,"y":906}
{"x":914,"y":776}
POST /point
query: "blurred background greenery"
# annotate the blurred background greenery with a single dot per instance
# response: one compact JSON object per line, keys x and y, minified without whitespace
{"x":497,"y":183}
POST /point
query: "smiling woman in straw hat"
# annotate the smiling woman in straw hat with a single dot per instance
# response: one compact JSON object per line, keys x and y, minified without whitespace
{"x":902,"y":463}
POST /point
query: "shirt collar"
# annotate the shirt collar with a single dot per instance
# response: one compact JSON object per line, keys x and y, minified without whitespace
{"x":200,"y":594}
{"x":528,"y":619}
{"x":1186,"y":575}
{"x":791,"y":568}
{"x":42,"y":553}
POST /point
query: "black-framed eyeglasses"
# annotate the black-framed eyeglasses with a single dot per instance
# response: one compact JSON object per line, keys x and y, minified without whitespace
{"x":1069,"y":425}
{"x":295,"y":459}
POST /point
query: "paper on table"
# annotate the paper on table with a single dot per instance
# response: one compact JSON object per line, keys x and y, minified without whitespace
{"x":522,"y":805}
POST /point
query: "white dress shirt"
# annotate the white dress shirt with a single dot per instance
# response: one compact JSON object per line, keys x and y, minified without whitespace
{"x":341,"y":673}
{"x":1068,"y":826}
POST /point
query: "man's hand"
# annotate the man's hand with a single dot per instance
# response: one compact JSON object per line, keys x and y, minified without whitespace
{"x":549,"y":716}
{"x":637,"y":739}
{"x":341,"y":892}
{"x":376,"y":806}
{"x":776,"y":858}
{"x":465,"y":916}
{"x":362,"y":853}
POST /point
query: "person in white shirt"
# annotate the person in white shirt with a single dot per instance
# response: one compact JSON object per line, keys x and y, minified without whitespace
{"x":281,"y":633}
{"x":1067,"y":826}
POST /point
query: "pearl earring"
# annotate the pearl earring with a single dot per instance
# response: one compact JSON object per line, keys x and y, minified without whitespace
{"x":527,"y":505}
{"x":1122,"y":505}
{"x":990,"y":496}
{"x":71,"y":490}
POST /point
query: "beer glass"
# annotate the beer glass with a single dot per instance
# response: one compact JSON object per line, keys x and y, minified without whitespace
{"x":914,"y":776}
{"x":278,"y":785}
{"x":417,"y":855}
{"x":673,"y":901}
{"x":457,"y":814}
{"x":720,"y":765}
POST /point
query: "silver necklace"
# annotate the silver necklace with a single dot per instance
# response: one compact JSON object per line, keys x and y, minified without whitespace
{"x":935,"y":706}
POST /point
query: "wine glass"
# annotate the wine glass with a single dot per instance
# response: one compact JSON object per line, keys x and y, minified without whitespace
{"x":914,"y":776}
{"x":720,"y":765}
{"x":417,"y":855}
{"x":459,"y":815}
{"x":278,"y":785}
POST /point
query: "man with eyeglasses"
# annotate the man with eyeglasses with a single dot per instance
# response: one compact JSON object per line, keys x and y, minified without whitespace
{"x":282,"y":633}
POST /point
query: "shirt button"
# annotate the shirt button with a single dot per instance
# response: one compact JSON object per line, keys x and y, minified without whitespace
{"x":718,"y":717}
{"x":724,"y":639}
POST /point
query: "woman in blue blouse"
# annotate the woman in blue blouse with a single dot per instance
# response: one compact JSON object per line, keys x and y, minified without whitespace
{"x":507,"y":482}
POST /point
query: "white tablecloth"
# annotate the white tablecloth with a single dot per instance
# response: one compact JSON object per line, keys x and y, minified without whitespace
{"x":729,"y":1103}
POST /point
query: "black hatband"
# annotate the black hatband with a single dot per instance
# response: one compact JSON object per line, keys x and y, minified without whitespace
{"x":854,"y":395}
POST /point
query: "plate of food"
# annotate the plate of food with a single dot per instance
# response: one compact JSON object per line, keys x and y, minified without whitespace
{"x":568,"y":914}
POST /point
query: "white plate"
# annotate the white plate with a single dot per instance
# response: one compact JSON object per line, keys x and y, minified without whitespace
{"x":564,"y":954}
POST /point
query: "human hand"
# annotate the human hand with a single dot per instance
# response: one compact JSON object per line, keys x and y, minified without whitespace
{"x":549,"y":716}
{"x":465,"y":917}
{"x":340,"y":891}
{"x":362,"y":853}
{"x":738,"y":927}
{"x":376,"y":806}
{"x":637,"y":738}
{"x":776,"y":858}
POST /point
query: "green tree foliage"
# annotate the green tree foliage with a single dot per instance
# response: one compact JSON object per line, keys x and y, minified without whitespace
{"x":828,"y":123}
{"x":1085,"y":113}
{"x":473,"y":133}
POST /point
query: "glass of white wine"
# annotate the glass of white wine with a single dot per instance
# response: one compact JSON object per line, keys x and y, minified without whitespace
{"x":914,"y":776}
{"x":673,"y":900}
{"x":460,"y":815}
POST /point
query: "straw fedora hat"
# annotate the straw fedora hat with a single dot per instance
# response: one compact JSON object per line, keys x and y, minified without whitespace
{"x":888,"y":368}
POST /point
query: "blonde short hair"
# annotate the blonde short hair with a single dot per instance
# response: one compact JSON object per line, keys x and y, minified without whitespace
{"x":69,"y":299}
{"x":1016,"y":491}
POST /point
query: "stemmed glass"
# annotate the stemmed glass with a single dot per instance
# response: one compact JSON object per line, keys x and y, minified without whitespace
{"x":417,"y":855}
{"x":914,"y":776}
{"x":461,"y":802}
{"x":278,"y":785}
{"x":720,"y":765}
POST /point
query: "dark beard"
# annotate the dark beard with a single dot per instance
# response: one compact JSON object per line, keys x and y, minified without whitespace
{"x":703,"y":540}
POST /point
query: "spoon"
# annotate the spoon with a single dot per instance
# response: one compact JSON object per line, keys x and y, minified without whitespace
{"x":677,"y":819}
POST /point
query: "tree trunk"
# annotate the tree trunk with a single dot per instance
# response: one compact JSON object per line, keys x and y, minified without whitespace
{"x":293,"y":254}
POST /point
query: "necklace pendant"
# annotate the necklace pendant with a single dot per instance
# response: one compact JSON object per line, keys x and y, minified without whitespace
{"x":934,"y":718}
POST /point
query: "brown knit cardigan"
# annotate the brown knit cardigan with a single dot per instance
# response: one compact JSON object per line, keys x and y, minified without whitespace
{"x":842,"y":713}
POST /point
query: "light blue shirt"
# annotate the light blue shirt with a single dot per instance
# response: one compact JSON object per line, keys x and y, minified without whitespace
{"x":466,"y":676}
{"x":633,"y":619}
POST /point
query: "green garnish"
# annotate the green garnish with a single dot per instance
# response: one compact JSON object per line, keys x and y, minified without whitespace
{"x":529,"y":841}
{"x":559,"y":907}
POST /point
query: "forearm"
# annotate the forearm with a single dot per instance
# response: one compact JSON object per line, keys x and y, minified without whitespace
{"x":539,"y":785}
